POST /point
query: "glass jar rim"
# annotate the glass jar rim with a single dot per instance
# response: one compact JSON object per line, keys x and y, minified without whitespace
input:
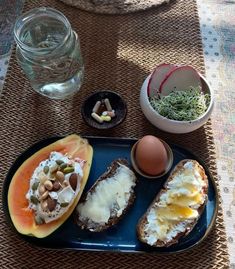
{"x":31,"y":15}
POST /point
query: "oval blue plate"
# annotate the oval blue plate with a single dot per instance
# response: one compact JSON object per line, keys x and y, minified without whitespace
{"x":121,"y":237}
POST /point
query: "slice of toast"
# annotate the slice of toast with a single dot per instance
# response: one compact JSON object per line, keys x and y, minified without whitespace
{"x":177,"y":207}
{"x":108,"y":199}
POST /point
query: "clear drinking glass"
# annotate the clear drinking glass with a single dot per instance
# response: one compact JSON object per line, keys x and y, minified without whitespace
{"x":48,"y":51}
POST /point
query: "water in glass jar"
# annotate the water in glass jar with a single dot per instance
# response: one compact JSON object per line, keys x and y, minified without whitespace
{"x":50,"y":56}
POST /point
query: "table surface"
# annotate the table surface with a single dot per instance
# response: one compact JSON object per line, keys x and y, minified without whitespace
{"x":218,"y":36}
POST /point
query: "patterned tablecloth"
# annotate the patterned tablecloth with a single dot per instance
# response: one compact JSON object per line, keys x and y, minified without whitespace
{"x":218,"y":35}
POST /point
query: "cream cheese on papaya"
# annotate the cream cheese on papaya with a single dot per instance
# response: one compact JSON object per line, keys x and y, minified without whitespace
{"x":51,"y":189}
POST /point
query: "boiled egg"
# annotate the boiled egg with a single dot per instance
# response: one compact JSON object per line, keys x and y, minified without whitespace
{"x":151,"y":155}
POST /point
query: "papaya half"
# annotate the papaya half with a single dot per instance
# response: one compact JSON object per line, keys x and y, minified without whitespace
{"x":21,"y":215}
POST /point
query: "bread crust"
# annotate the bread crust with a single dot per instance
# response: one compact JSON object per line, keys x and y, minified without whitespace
{"x":111,"y":170}
{"x":143,"y":220}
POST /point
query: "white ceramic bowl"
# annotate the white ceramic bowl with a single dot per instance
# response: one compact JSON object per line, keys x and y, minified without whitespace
{"x":174,"y":126}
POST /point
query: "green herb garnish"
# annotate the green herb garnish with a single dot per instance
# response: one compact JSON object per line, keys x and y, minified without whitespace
{"x":181,"y":105}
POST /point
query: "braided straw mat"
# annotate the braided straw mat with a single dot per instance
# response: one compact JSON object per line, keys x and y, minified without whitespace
{"x":119,"y":52}
{"x":114,"y":6}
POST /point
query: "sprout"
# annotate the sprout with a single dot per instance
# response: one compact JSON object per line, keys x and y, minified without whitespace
{"x":181,"y":105}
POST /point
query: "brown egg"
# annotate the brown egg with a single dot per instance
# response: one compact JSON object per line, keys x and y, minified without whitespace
{"x":151,"y":155}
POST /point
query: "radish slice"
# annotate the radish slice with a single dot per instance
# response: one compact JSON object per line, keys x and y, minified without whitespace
{"x":180,"y":79}
{"x":158,"y":75}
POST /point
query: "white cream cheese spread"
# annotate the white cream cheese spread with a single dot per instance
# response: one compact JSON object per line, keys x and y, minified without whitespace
{"x":177,"y":207}
{"x":54,"y":186}
{"x":110,"y":197}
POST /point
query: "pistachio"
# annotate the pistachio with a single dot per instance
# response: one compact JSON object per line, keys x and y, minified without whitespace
{"x":73,"y":181}
{"x":51,"y":203}
{"x":56,"y":185}
{"x":64,"y":204}
{"x":54,"y":168}
{"x":44,"y":205}
{"x":60,"y":176}
{"x":44,"y":196}
{"x":35,"y":186}
{"x":38,"y":220}
{"x":59,"y":162}
{"x":33,"y":199}
{"x":63,"y":166}
{"x":68,"y":169}
{"x":46,"y":169}
{"x":41,"y":189}
{"x":48,"y":185}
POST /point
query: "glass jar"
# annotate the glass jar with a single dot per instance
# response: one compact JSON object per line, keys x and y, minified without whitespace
{"x":48,"y":51}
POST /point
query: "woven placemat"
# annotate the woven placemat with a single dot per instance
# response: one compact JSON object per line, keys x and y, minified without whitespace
{"x":119,"y":52}
{"x":114,"y":6}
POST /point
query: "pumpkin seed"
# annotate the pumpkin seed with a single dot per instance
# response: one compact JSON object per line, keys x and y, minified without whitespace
{"x":46,"y":169}
{"x":38,"y":220}
{"x":59,"y":162}
{"x":68,"y":169}
{"x":63,"y":166}
{"x":64,"y":204}
{"x":35,"y":186}
{"x":34,"y":200}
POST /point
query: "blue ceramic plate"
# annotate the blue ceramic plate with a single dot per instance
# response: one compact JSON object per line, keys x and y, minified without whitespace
{"x":121,"y":237}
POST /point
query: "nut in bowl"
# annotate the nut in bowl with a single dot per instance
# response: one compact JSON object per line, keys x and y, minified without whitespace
{"x":176,"y":99}
{"x":104,"y":110}
{"x":151,"y":157}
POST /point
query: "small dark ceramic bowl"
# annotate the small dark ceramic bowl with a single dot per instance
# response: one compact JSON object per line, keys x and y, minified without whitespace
{"x":117,"y":103}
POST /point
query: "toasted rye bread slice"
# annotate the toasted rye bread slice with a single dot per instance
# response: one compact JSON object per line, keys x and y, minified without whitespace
{"x":115,"y":216}
{"x":141,"y":233}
